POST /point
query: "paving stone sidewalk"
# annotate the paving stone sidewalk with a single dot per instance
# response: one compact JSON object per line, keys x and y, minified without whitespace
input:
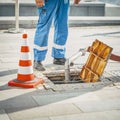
{"x":82,"y":101}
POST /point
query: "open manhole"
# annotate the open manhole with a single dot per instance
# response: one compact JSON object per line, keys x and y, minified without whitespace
{"x":58,"y":76}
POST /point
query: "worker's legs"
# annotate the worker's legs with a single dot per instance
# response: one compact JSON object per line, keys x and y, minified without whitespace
{"x":46,"y":14}
{"x":61,"y":29}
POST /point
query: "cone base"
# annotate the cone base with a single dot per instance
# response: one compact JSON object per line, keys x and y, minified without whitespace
{"x":17,"y":83}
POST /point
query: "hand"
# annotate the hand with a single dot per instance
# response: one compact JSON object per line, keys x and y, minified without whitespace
{"x":39,"y":3}
{"x":76,"y":1}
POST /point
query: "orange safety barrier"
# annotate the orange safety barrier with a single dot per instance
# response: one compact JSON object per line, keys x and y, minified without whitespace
{"x":25,"y":77}
{"x":96,"y":62}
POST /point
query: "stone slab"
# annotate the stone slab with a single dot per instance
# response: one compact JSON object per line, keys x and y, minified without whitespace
{"x":109,"y":94}
{"x":21,"y":102}
{"x":45,"y":111}
{"x":106,"y":115}
{"x":55,"y":98}
{"x":99,"y":105}
{"x":3,"y":115}
{"x":39,"y":118}
{"x":65,"y":98}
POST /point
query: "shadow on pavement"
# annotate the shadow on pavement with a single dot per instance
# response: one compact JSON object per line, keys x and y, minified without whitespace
{"x":8,"y":72}
{"x":43,"y":97}
{"x":4,"y":87}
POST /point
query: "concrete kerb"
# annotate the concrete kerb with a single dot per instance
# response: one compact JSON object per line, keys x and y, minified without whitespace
{"x":74,"y":21}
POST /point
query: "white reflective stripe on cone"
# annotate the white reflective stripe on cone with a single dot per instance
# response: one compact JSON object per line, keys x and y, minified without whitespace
{"x":25,"y":70}
{"x":24,"y":43}
{"x":25,"y":56}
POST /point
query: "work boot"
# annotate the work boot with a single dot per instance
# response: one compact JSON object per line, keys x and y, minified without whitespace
{"x":38,"y":66}
{"x":59,"y":61}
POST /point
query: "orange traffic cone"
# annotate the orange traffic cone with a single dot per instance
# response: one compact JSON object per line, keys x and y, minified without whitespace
{"x":25,"y":76}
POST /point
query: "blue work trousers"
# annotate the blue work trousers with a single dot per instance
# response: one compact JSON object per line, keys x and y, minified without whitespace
{"x":56,"y":10}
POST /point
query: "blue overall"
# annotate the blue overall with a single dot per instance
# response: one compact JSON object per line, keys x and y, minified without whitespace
{"x":56,"y":10}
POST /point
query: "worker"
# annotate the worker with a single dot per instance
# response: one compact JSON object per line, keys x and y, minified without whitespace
{"x":49,"y":9}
